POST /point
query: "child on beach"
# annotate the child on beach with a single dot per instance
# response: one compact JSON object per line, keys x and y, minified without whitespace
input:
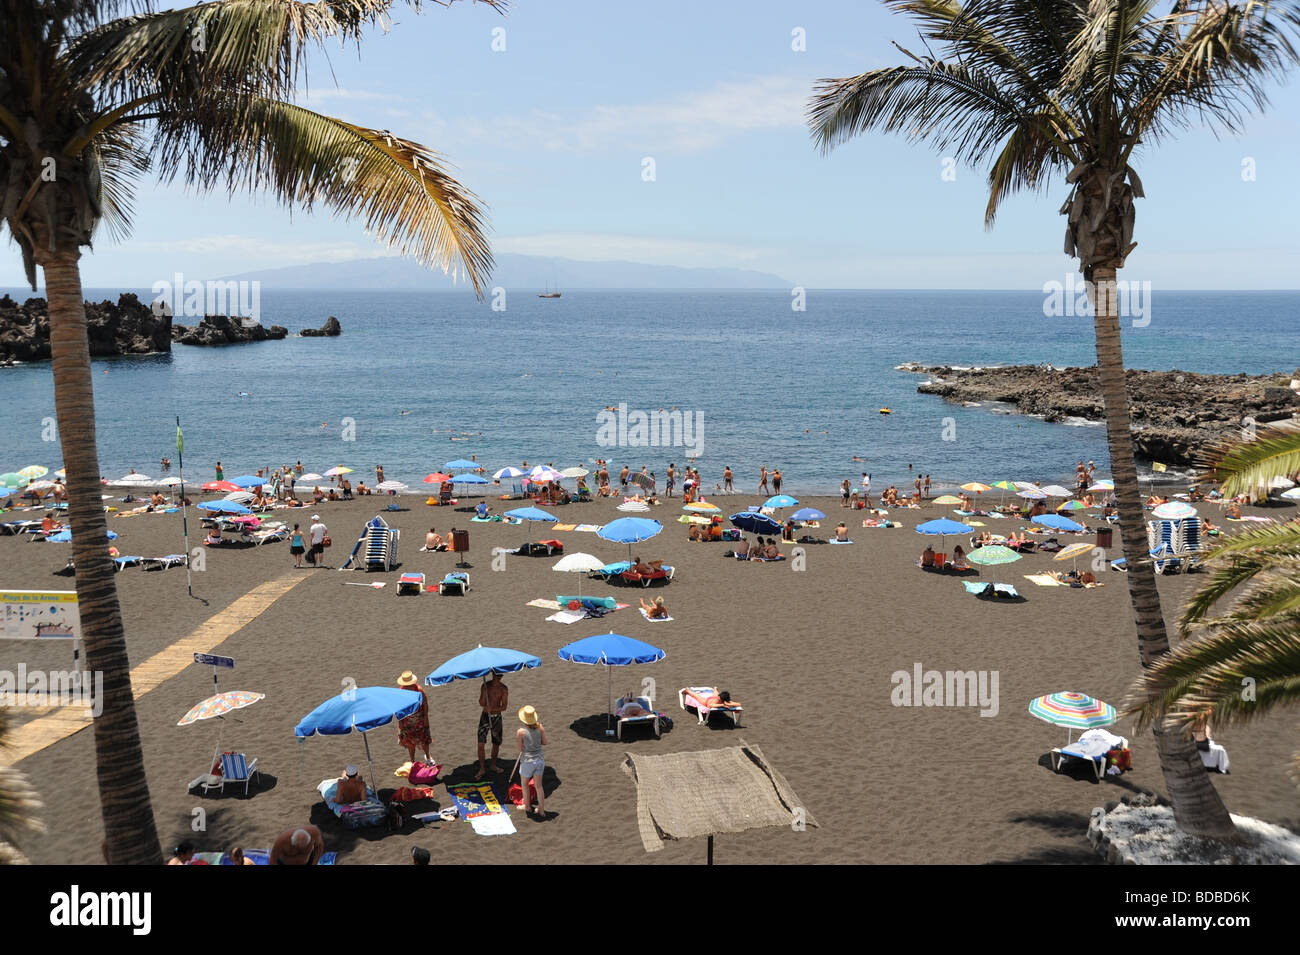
{"x":297,"y":547}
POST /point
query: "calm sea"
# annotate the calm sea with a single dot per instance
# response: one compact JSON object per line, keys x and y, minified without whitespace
{"x":421,"y":378}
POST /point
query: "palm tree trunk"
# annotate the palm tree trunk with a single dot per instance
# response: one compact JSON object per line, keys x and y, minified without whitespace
{"x":1198,"y":809}
{"x":130,"y":836}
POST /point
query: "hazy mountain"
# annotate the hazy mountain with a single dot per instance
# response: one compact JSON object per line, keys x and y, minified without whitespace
{"x":512,"y":271}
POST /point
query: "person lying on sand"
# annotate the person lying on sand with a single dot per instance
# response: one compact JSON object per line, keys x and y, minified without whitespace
{"x":656,"y":610}
{"x":631,"y":707}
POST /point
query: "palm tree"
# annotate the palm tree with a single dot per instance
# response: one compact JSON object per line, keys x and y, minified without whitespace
{"x":202,"y":94}
{"x":1036,"y":88}
{"x":1243,"y":663}
{"x":19,"y":804}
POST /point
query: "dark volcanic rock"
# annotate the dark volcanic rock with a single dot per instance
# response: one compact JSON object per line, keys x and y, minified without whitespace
{"x":1175,"y":414}
{"x":128,"y":327}
{"x":330,"y":329}
{"x":224,"y":330}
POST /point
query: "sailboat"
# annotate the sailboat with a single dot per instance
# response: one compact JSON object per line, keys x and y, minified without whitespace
{"x":548,"y":293}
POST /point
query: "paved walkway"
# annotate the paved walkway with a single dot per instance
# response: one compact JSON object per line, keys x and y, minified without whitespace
{"x":62,"y":722}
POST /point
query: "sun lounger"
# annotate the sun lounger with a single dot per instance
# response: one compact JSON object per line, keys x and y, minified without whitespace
{"x":645,"y":580}
{"x":162,"y":563}
{"x":651,"y":716}
{"x":265,"y":535}
{"x":455,"y":583}
{"x":1092,"y":746}
{"x":356,"y":815}
{"x":121,"y":563}
{"x":615,"y":569}
{"x":705,"y":702}
{"x":410,"y":584}
{"x":20,"y":527}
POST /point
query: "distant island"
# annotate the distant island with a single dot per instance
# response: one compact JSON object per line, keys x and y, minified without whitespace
{"x":512,"y":271}
{"x":1175,"y":414}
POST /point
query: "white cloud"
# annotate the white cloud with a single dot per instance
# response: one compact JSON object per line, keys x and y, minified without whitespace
{"x":689,"y":122}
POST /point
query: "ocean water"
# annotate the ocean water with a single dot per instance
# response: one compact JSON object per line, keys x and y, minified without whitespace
{"x":764,"y":384}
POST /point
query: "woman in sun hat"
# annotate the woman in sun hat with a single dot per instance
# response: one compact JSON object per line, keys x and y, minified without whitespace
{"x":532,"y":764}
{"x":413,"y":730}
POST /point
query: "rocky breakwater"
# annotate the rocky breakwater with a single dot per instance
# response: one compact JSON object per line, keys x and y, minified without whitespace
{"x":1175,"y":414}
{"x":127,"y":327}
{"x":223,"y":330}
{"x":330,"y":329}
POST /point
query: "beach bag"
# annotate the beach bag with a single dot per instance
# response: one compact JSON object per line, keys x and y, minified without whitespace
{"x":516,"y":793}
{"x":326,"y":542}
{"x":665,"y":722}
{"x":1120,"y":758}
{"x":423,"y":774}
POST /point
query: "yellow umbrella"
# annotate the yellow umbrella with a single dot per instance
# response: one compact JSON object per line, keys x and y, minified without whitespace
{"x":977,"y":487}
{"x":946,"y":499}
{"x":1073,"y":551}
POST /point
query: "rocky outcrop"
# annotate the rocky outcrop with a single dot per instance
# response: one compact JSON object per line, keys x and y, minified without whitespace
{"x":127,"y":327}
{"x":215,"y":330}
{"x":330,"y":329}
{"x":1175,"y":414}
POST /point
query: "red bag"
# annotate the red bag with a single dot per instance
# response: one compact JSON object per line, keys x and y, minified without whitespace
{"x":516,"y":793}
{"x":1121,"y":758}
{"x":423,"y":774}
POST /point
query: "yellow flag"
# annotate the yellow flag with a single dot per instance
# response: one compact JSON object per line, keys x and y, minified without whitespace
{"x":1157,"y":466}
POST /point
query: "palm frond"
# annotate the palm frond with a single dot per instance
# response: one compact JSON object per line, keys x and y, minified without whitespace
{"x":117,"y":160}
{"x":1237,"y":561}
{"x":401,"y":191}
{"x":1246,"y":467}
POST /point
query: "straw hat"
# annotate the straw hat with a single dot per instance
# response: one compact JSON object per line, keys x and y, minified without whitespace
{"x":528,"y":715}
{"x":407,"y":679}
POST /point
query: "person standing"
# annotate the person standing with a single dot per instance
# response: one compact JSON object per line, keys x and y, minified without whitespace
{"x":671,"y":476}
{"x":926,"y":492}
{"x":494,"y":697}
{"x":413,"y":731}
{"x":776,"y":481}
{"x":379,"y":474}
{"x":622,"y":478}
{"x":532,"y":762}
{"x":221,"y":475}
{"x":845,"y":491}
{"x":762,"y":480}
{"x":726,"y":480}
{"x":316,"y":535}
{"x":297,"y":547}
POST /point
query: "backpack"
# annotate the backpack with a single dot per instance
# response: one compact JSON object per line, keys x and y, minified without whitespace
{"x":396,"y":817}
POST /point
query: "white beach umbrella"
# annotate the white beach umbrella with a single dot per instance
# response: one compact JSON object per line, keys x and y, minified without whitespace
{"x":574,"y":472}
{"x":391,"y":486}
{"x":1055,"y":490}
{"x":1278,"y":483}
{"x":239,"y":497}
{"x":169,"y":482}
{"x":135,"y":479}
{"x":508,"y":473}
{"x":1026,"y":486}
{"x":308,"y":478}
{"x":578,"y":563}
{"x":633,"y":506}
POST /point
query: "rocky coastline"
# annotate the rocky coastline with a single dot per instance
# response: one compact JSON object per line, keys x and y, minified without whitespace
{"x":127,"y":327}
{"x":1174,"y":413}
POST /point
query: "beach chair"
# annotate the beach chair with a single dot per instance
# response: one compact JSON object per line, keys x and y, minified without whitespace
{"x":162,"y":563}
{"x":235,"y":768}
{"x":121,"y":563}
{"x":410,"y":585}
{"x":704,"y":700}
{"x":1164,"y":560}
{"x":1092,"y":745}
{"x":456,"y":584}
{"x":609,"y":571}
{"x":651,"y":717}
{"x":664,"y":573}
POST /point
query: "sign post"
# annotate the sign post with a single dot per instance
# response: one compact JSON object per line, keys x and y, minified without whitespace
{"x":215,"y":662}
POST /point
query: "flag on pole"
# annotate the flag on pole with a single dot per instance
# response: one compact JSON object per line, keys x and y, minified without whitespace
{"x":1157,"y":466}
{"x":180,"y":441}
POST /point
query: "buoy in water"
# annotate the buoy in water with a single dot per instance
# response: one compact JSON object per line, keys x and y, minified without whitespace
{"x":886,"y":411}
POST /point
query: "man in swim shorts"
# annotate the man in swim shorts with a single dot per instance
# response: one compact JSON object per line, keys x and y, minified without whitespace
{"x":494,"y":697}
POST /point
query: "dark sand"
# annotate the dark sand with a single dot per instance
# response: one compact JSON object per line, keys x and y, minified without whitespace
{"x":809,"y":654}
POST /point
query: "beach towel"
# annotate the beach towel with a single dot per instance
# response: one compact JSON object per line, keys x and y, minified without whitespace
{"x":654,"y":619}
{"x":479,"y":804}
{"x":1044,"y":580}
{"x":588,"y":528}
{"x":263,"y":857}
{"x":563,"y":527}
{"x":544,"y":604}
{"x":834,"y":541}
{"x":567,"y":616}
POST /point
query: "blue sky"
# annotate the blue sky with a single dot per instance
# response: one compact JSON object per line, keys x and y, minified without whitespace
{"x":552,"y":132}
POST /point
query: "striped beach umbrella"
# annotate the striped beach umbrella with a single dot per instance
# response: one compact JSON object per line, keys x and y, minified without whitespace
{"x":335,"y":472}
{"x":1103,"y":486}
{"x":977,"y":487}
{"x":1174,"y":511}
{"x":947,"y":499}
{"x":993,"y":554}
{"x":1073,"y":710}
{"x":33,"y":471}
{"x":1074,"y":551}
{"x":1071,"y":506}
{"x":1034,"y":495}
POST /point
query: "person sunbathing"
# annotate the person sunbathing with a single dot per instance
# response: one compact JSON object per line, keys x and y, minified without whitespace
{"x":742,"y":549}
{"x":317,"y":495}
{"x":482,"y":510}
{"x":841,"y":532}
{"x":927,"y":557}
{"x":638,"y":567}
{"x":696,"y":533}
{"x":771,"y":552}
{"x":1234,"y":511}
{"x":351,"y":788}
{"x":959,"y":558}
{"x":433,"y":541}
{"x":629,"y":706}
{"x":214,"y":538}
{"x":656,"y":610}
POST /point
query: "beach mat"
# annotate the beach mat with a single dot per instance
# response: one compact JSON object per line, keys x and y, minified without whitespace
{"x":563,"y":527}
{"x":478,"y":803}
{"x":588,"y":528}
{"x":654,"y":619}
{"x":567,"y":616}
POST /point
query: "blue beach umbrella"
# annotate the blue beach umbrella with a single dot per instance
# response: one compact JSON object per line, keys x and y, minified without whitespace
{"x":362,"y":709}
{"x":249,"y":480}
{"x":942,"y":527}
{"x":1057,"y":523}
{"x":755,"y":523}
{"x":807,"y":514}
{"x":470,"y":479}
{"x":780,"y":501}
{"x":629,"y":531}
{"x":480,"y":662}
{"x":224,"y":507}
{"x":531,"y":514}
{"x":610,"y":650}
{"x":460,"y":464}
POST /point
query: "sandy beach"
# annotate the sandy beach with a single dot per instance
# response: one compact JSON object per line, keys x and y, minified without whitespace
{"x":809,"y":654}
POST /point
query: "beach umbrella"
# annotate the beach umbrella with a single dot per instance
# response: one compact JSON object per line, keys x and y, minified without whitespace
{"x":220,"y":486}
{"x":507,"y":473}
{"x":1073,"y":710}
{"x":239,"y":497}
{"x":1073,"y":551}
{"x":754,"y":523}
{"x":993,"y":554}
{"x":246,"y":481}
{"x":1174,"y":511}
{"x":65,"y":535}
{"x":702,"y":507}
{"x":311,"y":478}
{"x":629,"y":531}
{"x":541,"y":474}
{"x":361,"y":709}
{"x":13,"y":479}
{"x":941,"y":528}
{"x":1034,"y":495}
{"x":578,"y":563}
{"x":610,"y":650}
{"x":1004,"y":486}
{"x":1058,"y":523}
{"x":947,"y":499}
{"x":391,"y":486}
{"x":223,"y":507}
{"x":135,"y":479}
{"x":41,"y":485}
{"x":469,"y":479}
{"x":219,"y":705}
{"x":460,"y":464}
{"x":1103,"y":486}
{"x":33,"y":471}
{"x":633,"y":506}
{"x":61,"y":473}
{"x":1071,"y":506}
{"x":437,"y":477}
{"x":1292,"y":495}
{"x":481,"y":662}
{"x":170,"y":482}
{"x":574,"y":472}
{"x":531,"y":514}
{"x":335,"y":472}
{"x":1055,"y":490}
{"x":977,"y":487}
{"x":779,"y":501}
{"x":807,"y":514}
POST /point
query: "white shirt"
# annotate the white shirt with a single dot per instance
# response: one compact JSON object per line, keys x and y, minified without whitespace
{"x":318,"y":532}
